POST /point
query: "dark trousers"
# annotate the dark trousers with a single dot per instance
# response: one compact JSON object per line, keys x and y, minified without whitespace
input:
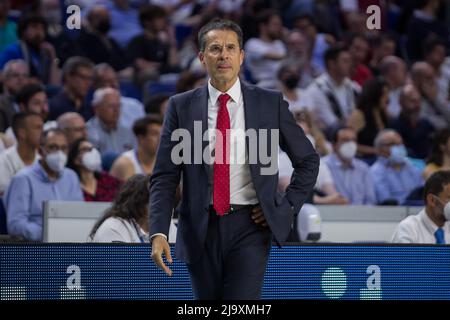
{"x":234,"y":260}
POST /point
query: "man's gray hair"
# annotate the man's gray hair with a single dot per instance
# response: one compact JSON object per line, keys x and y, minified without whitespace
{"x":379,"y":138}
{"x":100,"y":94}
{"x":8,"y":68}
{"x":64,"y":121}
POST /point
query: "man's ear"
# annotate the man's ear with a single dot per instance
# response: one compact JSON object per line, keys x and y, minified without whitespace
{"x":201,"y":57}
{"x":430,"y":200}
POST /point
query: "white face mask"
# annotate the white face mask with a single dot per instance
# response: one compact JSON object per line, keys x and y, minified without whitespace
{"x":446,"y":209}
{"x":56,"y":161}
{"x":92,"y":160}
{"x":348,"y":150}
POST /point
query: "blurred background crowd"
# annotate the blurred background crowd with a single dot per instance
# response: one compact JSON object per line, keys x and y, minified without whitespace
{"x":81,"y":109}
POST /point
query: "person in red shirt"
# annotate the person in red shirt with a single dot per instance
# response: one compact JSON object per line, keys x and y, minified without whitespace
{"x":358,"y":48}
{"x":96,"y":184}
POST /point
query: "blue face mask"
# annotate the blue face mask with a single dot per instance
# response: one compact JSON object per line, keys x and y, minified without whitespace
{"x":398,"y":154}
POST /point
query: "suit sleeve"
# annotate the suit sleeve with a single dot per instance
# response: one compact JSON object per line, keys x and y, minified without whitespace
{"x":304,"y":158}
{"x":165,"y":177}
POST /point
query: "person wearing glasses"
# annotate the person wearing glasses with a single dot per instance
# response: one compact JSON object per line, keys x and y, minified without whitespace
{"x":77,"y":76}
{"x":48,"y":179}
{"x":86,"y":161}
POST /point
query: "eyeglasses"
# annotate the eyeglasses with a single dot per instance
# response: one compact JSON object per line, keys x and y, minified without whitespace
{"x":54,"y":148}
{"x":84,"y":77}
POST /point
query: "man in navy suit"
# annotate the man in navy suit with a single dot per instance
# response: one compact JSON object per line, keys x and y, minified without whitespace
{"x":230,"y":210}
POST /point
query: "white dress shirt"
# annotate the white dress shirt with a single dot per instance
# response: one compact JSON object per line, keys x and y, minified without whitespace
{"x":242,"y":190}
{"x":419,"y":229}
{"x":317,"y":102}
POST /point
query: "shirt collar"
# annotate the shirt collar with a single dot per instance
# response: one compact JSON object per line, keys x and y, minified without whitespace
{"x":99,"y":123}
{"x":428,"y":223}
{"x":338,"y":162}
{"x":42,"y":174}
{"x":234,"y":92}
{"x":333,"y":84}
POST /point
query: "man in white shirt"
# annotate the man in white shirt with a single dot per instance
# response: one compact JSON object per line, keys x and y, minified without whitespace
{"x":141,"y":159}
{"x":27,"y":128}
{"x":265,"y":53}
{"x":393,"y":70}
{"x":431,"y":224}
{"x":332,"y":96}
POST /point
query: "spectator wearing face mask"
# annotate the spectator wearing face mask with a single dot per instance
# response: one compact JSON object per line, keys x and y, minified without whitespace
{"x":439,"y":158}
{"x":48,"y":179}
{"x":415,"y":130}
{"x":431,"y":225}
{"x":393,"y":175}
{"x":351,"y":176}
{"x":95,"y":44}
{"x":289,"y":78}
{"x":86,"y":161}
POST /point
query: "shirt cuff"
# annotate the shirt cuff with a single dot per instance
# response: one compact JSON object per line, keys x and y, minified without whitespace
{"x":157,"y":234}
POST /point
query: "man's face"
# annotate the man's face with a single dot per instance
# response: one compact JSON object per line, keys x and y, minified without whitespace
{"x":109,"y":110}
{"x":437,"y":202}
{"x":411,"y":102}
{"x":387,"y":48}
{"x":108,"y":79}
{"x":343,"y":64}
{"x":437,"y":56}
{"x":389,"y":140}
{"x":274,"y":27}
{"x":16,"y":78}
{"x":306,"y":27}
{"x":76,"y":130}
{"x":33,"y":130}
{"x":398,"y":74}
{"x":54,"y":143}
{"x":34,"y":35}
{"x":359,"y":49}
{"x":344,"y":136}
{"x":297,"y":43}
{"x":222,"y":57}
{"x":150,"y":141}
{"x":39,"y":104}
{"x":80,"y":82}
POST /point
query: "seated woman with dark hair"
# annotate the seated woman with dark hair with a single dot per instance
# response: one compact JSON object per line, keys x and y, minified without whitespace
{"x":439,"y":158}
{"x":86,"y":161}
{"x":127,"y":219}
{"x":370,"y":116}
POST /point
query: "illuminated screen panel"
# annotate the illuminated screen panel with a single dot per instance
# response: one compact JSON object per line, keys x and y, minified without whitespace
{"x":94,"y":271}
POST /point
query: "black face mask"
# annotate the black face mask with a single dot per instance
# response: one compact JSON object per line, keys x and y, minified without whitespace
{"x":291,"y":81}
{"x":103,"y":26}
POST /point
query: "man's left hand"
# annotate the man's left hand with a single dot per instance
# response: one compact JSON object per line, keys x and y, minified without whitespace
{"x":258,"y":216}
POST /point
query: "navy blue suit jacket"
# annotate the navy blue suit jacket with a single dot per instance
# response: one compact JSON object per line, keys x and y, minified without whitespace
{"x":264,"y":109}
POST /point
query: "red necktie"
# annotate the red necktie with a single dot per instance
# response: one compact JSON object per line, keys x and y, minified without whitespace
{"x":221,"y":200}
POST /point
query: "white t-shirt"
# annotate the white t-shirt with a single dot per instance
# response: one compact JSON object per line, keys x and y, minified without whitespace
{"x":116,"y":229}
{"x":263,"y":70}
{"x":285,"y":170}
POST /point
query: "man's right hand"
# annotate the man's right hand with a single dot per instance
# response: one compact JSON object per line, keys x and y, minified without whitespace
{"x":160,"y":246}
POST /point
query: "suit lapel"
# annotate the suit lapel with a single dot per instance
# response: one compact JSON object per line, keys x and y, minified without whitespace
{"x":251,"y":102}
{"x":251,"y":112}
{"x":199,"y":103}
